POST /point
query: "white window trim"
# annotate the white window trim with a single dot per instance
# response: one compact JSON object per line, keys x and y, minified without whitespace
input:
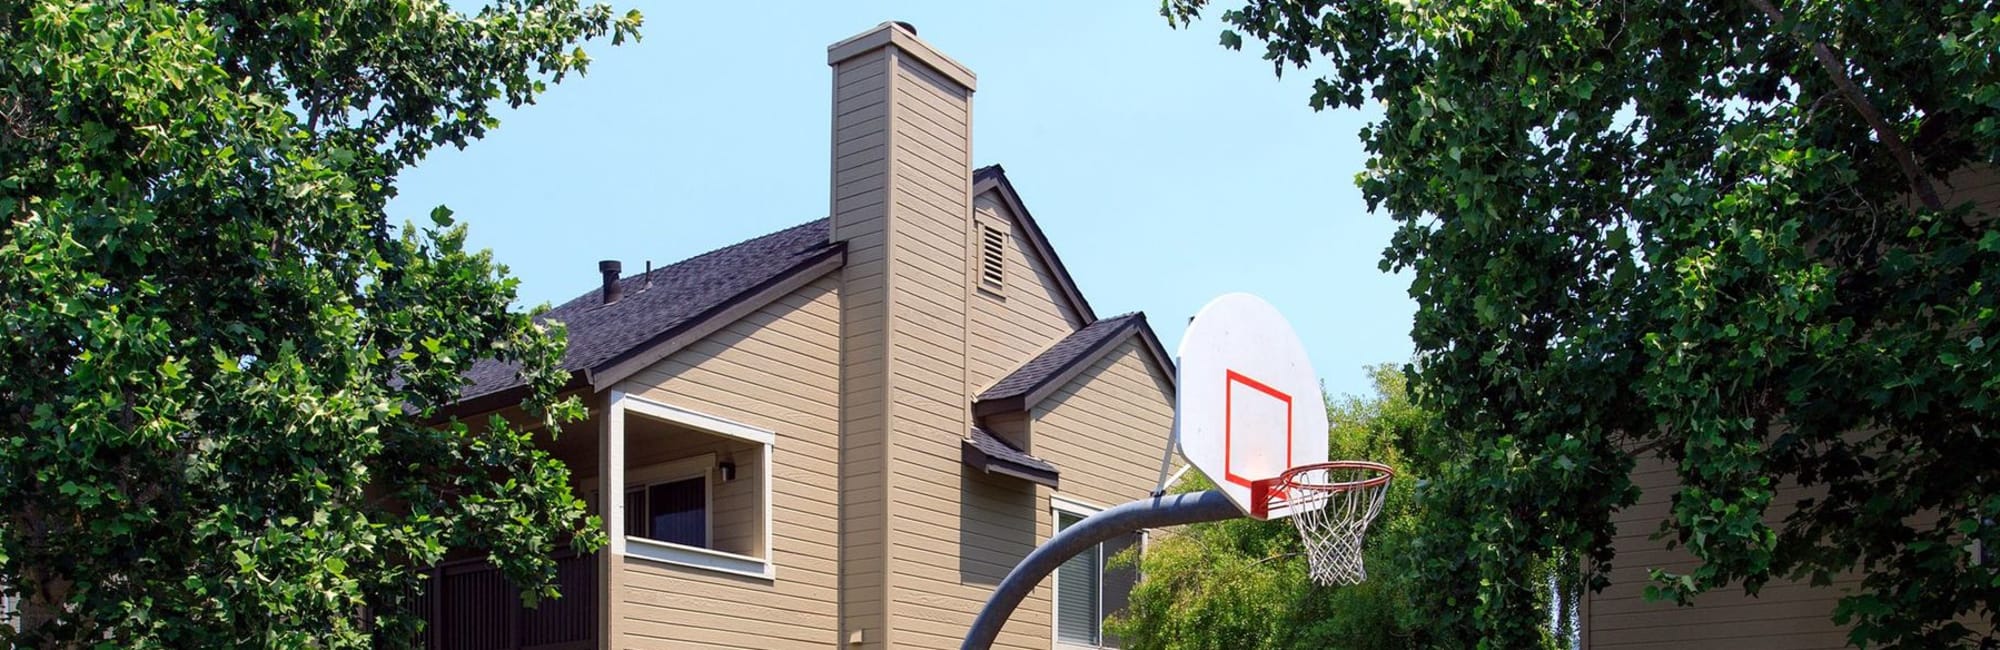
{"x":1058,"y":506}
{"x":621,"y":403}
{"x":693,"y":419}
{"x":700,"y":558}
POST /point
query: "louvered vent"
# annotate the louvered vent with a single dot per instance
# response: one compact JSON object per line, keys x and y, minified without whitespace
{"x":992,"y":257}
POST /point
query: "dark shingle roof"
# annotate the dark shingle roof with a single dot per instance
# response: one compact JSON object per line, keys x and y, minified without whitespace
{"x":680,"y":294}
{"x":1052,"y":363}
{"x":986,"y":452}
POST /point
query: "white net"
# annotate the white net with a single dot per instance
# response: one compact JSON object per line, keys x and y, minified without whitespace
{"x":1331,"y":508}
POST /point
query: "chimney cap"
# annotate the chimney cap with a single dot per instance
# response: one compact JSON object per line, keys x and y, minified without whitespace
{"x":610,"y":266}
{"x":902,"y":36}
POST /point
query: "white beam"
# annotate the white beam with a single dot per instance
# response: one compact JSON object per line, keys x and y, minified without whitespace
{"x":612,"y":488}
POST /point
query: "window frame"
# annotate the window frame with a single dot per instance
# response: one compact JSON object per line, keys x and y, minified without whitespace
{"x":622,"y":404}
{"x":698,"y":466}
{"x":1059,"y":506}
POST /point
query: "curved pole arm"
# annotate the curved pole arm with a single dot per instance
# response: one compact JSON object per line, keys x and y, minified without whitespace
{"x":1155,"y":512}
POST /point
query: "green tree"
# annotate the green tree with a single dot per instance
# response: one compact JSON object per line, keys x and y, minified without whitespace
{"x":1724,"y":232}
{"x":1242,"y":584}
{"x":220,"y":365}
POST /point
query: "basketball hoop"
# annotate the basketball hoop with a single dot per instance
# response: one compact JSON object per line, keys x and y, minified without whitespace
{"x":1247,"y":414}
{"x":1331,"y":505}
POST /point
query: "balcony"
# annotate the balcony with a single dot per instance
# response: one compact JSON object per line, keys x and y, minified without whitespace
{"x":468,"y":605}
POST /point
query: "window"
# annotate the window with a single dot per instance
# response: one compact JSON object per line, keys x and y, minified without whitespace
{"x":672,"y":511}
{"x":10,"y":611}
{"x":1087,"y":590}
{"x":992,"y":257}
{"x":693,"y":490}
{"x":1079,"y":584}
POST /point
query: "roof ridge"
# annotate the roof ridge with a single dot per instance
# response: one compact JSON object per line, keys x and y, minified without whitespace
{"x":687,"y":262}
{"x":738,"y":244}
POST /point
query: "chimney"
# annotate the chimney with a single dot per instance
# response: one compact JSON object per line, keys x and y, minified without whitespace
{"x":901,"y":200}
{"x":611,"y":270}
{"x":900,"y":108}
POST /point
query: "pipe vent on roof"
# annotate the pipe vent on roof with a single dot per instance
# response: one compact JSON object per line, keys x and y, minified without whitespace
{"x":611,"y":269}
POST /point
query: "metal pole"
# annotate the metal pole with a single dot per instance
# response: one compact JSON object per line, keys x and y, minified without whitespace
{"x":1155,"y":512}
{"x":1167,"y":457}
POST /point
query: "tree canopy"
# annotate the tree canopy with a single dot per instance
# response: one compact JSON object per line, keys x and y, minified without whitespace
{"x":1737,"y":235}
{"x":1242,"y":584}
{"x":220,"y":364}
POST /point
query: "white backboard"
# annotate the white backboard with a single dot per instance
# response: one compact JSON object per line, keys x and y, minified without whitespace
{"x":1249,"y":405}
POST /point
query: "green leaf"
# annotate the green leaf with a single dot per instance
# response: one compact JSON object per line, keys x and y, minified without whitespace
{"x":212,"y":324}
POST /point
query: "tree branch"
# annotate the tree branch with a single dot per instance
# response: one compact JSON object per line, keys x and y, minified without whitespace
{"x":1836,"y":70}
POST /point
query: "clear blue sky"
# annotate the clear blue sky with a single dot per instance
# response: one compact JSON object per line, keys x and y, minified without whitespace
{"x":1165,"y":169}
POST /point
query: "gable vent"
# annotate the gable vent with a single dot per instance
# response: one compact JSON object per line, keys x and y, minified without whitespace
{"x":992,"y":256}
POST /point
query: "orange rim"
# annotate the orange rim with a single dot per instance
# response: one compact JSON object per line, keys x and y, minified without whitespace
{"x":1290,"y":479}
{"x":1274,"y":492}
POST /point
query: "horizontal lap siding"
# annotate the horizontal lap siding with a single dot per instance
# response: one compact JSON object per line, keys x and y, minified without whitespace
{"x":1784,"y":614}
{"x":776,"y":369}
{"x":930,"y":197}
{"x":1009,"y":327}
{"x":860,"y":205}
{"x":1979,"y":186}
{"x":1030,"y":312}
{"x":1105,"y":430}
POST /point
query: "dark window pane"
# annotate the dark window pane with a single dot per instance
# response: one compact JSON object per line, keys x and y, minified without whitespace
{"x":1119,"y":579}
{"x":635,"y":513}
{"x":1077,"y":591}
{"x":678,"y":511}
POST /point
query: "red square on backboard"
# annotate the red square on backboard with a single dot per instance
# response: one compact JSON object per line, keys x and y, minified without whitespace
{"x":1259,"y":391}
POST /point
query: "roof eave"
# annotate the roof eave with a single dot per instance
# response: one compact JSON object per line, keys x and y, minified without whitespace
{"x":500,"y":399}
{"x":597,"y":378}
{"x":1160,"y":356}
{"x":1061,"y":377}
{"x":978,"y":459}
{"x":624,"y":365}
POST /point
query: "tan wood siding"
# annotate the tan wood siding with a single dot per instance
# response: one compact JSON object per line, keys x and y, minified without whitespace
{"x":932,"y":186}
{"x":1106,"y":430}
{"x":1784,"y":614}
{"x":1978,"y":185}
{"x":777,"y":369}
{"x":1025,"y":316}
{"x":924,"y":539}
{"x":860,"y":204}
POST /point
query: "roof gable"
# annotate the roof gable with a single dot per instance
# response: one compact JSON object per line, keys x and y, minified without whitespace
{"x":1057,"y":365}
{"x":1051,"y":369}
{"x":993,"y":178}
